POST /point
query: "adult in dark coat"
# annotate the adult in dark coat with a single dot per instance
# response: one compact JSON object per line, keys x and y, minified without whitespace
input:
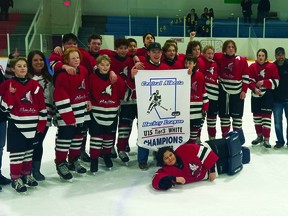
{"x":263,"y":10}
{"x":5,"y":4}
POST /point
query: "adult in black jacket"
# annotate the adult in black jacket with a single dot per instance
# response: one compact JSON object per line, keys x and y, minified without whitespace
{"x":5,"y":4}
{"x":246,"y":10}
{"x":263,"y":10}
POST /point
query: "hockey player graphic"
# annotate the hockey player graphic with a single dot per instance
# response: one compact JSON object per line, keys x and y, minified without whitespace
{"x":27,"y":98}
{"x":155,"y":99}
{"x":108,"y":90}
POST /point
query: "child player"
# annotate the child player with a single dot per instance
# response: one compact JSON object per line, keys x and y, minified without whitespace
{"x":198,"y":97}
{"x":23,"y":99}
{"x":72,"y":102}
{"x":105,"y":99}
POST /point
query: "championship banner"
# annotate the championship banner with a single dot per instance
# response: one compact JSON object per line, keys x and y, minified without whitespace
{"x":3,"y":64}
{"x":163,"y":103}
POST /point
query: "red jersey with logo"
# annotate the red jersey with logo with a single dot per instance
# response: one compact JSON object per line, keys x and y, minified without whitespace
{"x":267,"y":72}
{"x":105,"y":97}
{"x":233,"y":73}
{"x":197,"y":160}
{"x":26,"y":107}
{"x":71,"y":95}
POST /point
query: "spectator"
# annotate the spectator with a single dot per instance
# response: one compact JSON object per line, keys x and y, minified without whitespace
{"x":263,"y":10}
{"x":211,"y":13}
{"x":246,"y":10}
{"x":192,"y":20}
{"x":205,"y":26}
{"x":5,"y":4}
{"x":281,"y":97}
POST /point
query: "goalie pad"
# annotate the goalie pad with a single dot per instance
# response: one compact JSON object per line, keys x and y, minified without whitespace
{"x":235,"y":164}
{"x":246,"y":155}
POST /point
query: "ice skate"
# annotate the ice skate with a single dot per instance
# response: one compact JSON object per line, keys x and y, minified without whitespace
{"x":108,"y":162}
{"x":64,"y":172}
{"x":18,"y":185}
{"x":36,"y":171}
{"x":94,"y":166}
{"x":76,"y":167}
{"x":257,"y":141}
{"x":124,"y":157}
{"x":127,"y":149}
{"x":266,"y":144}
{"x":29,"y":181}
{"x":85,"y":157}
{"x":113,"y":153}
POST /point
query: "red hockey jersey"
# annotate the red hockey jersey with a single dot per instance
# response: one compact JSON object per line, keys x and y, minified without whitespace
{"x":105,"y":97}
{"x":197,"y":161}
{"x":267,"y":72}
{"x":233,"y":73}
{"x":198,"y":96}
{"x":71,"y":95}
{"x":210,"y":71}
{"x":26,"y":107}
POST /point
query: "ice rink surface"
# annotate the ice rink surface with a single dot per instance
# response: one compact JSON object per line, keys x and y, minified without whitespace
{"x":260,"y":189}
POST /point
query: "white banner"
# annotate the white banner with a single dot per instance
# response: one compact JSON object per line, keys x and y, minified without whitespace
{"x":163,"y":102}
{"x":3,"y":64}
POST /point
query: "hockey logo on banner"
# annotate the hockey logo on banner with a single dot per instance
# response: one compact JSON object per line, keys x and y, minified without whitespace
{"x":163,"y":103}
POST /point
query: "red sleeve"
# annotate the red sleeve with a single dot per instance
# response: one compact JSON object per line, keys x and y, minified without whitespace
{"x":207,"y":157}
{"x":252,"y":83}
{"x":56,"y":62}
{"x":122,"y":88}
{"x":245,"y":74}
{"x":157,"y":178}
{"x":62,"y":100}
{"x":273,"y":81}
{"x":87,"y":61}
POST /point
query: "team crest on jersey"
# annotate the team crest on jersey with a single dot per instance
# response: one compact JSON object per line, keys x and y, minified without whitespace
{"x":125,"y":71}
{"x":194,"y":86}
{"x":262,"y":73}
{"x":82,"y":85}
{"x":27,"y":98}
{"x":108,"y":90}
{"x":210,"y":70}
{"x":193,"y":167}
{"x":230,"y":67}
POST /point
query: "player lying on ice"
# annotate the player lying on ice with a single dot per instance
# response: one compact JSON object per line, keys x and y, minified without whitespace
{"x":192,"y":162}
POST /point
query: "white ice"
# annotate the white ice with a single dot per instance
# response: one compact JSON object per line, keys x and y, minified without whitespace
{"x":261,"y":188}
